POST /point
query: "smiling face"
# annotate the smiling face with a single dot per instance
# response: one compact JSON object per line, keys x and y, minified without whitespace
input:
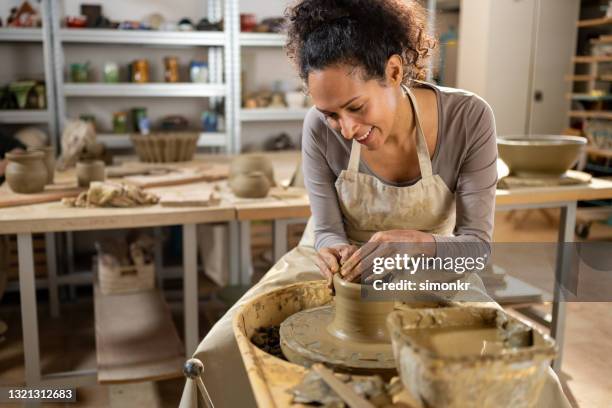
{"x":364,"y":110}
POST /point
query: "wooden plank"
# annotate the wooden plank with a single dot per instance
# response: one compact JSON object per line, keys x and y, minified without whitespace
{"x":181,"y":176}
{"x":135,"y":338}
{"x":594,"y":22}
{"x":588,"y":97}
{"x":594,"y":114}
{"x":52,"y":193}
{"x":586,"y":59}
{"x":580,"y":78}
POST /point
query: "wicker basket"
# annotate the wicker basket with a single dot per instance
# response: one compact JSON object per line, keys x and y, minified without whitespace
{"x":165,"y":147}
{"x":114,"y":278}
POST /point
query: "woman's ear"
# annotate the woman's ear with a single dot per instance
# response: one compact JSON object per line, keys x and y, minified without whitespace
{"x":394,"y":71}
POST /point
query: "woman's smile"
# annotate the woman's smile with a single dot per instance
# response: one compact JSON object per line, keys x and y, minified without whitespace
{"x":365,"y":138}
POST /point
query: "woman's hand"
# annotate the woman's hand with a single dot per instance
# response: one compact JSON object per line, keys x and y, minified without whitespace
{"x":386,"y":244}
{"x":330,"y":259}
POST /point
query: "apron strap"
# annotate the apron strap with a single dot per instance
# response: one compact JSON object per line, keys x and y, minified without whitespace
{"x":421,"y":143}
{"x":353,"y":164}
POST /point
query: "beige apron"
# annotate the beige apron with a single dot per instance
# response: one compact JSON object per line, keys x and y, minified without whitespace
{"x":368,"y":206}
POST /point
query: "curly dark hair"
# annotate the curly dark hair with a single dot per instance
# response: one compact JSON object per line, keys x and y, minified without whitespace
{"x":361,"y":33}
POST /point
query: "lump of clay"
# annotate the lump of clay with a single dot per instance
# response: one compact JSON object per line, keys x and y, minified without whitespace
{"x":107,"y":194}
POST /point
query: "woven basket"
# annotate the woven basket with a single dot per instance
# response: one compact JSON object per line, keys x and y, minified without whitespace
{"x":114,"y":278}
{"x":165,"y":147}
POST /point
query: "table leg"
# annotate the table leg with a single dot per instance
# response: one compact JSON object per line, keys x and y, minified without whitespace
{"x":246,"y":263}
{"x":562,"y":279}
{"x":190,"y":287}
{"x":158,"y":257}
{"x":280,"y":238}
{"x":29,"y":315}
{"x":70,"y":262}
{"x":233,"y":251}
{"x":50,"y":249}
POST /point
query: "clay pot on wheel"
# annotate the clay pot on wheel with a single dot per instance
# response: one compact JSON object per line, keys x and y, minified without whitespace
{"x":26,"y":172}
{"x":90,"y":170}
{"x":49,"y":160}
{"x":250,"y":185}
{"x":248,"y":163}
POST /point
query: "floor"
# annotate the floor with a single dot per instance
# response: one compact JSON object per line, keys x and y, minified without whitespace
{"x":586,"y":368}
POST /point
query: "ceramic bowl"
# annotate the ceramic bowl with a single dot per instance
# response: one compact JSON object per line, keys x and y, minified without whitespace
{"x":533,"y":156}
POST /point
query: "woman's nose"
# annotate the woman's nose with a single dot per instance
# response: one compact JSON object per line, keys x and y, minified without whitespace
{"x":348,"y":128}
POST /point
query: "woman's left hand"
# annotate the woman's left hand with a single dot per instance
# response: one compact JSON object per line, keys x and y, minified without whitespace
{"x":386,"y":244}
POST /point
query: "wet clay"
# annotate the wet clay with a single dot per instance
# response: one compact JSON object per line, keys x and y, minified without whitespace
{"x":350,"y":335}
{"x":459,"y":341}
{"x":26,"y":172}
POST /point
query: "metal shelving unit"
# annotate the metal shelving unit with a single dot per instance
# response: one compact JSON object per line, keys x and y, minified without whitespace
{"x":144,"y":90}
{"x":140,"y":37}
{"x":42,"y":36}
{"x":9,"y":34}
{"x":24,"y":116}
{"x":122,"y":141}
{"x":262,"y":40}
{"x":221,"y":49}
{"x":272,"y":114}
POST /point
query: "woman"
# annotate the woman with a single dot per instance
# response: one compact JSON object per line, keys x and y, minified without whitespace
{"x":386,"y":158}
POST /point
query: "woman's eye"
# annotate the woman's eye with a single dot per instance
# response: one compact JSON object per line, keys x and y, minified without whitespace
{"x":357,"y":109}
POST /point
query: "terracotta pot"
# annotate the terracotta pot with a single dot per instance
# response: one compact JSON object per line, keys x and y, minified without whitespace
{"x":26,"y":172}
{"x":49,"y":160}
{"x":250,"y":185}
{"x":88,"y":171}
{"x":248,"y":163}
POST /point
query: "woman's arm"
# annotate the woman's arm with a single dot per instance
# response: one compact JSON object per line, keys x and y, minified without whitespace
{"x":475,"y":189}
{"x":320,"y":180}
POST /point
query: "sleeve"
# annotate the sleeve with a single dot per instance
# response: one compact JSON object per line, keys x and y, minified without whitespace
{"x":319,"y":179}
{"x":475,"y":190}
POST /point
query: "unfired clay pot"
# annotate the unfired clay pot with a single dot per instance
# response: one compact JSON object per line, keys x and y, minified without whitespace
{"x":250,"y":185}
{"x":26,"y":172}
{"x":49,"y":160}
{"x":248,"y":163}
{"x":88,"y":171}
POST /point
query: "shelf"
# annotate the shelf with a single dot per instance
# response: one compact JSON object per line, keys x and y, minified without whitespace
{"x":595,"y":22}
{"x":580,"y":78}
{"x":122,"y":141}
{"x":603,"y":39}
{"x":587,"y":59}
{"x":24,"y":116}
{"x":135,"y":338}
{"x":262,"y":40}
{"x":105,"y":36}
{"x":591,"y":114}
{"x":145,"y":90}
{"x":589,"y":97}
{"x":607,"y":153}
{"x":272,"y":114}
{"x":21,"y":35}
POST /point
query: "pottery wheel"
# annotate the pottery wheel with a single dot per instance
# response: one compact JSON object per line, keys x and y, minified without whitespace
{"x":305,"y":339}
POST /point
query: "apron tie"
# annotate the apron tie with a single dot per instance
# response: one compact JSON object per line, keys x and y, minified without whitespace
{"x":193,"y":370}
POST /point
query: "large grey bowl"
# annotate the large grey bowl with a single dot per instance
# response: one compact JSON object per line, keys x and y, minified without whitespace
{"x":547,"y":156}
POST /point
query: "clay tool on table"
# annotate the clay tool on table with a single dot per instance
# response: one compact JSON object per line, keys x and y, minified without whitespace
{"x":345,"y":392}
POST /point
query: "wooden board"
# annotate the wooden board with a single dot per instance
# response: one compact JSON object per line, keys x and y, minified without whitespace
{"x":516,"y":291}
{"x":181,"y":176}
{"x":52,"y":193}
{"x":135,"y":338}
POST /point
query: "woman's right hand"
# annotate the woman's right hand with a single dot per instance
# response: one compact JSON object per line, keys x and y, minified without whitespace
{"x":331,"y":258}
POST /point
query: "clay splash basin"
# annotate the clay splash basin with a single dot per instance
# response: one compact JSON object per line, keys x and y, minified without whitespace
{"x":540,"y":155}
{"x":470,"y":357}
